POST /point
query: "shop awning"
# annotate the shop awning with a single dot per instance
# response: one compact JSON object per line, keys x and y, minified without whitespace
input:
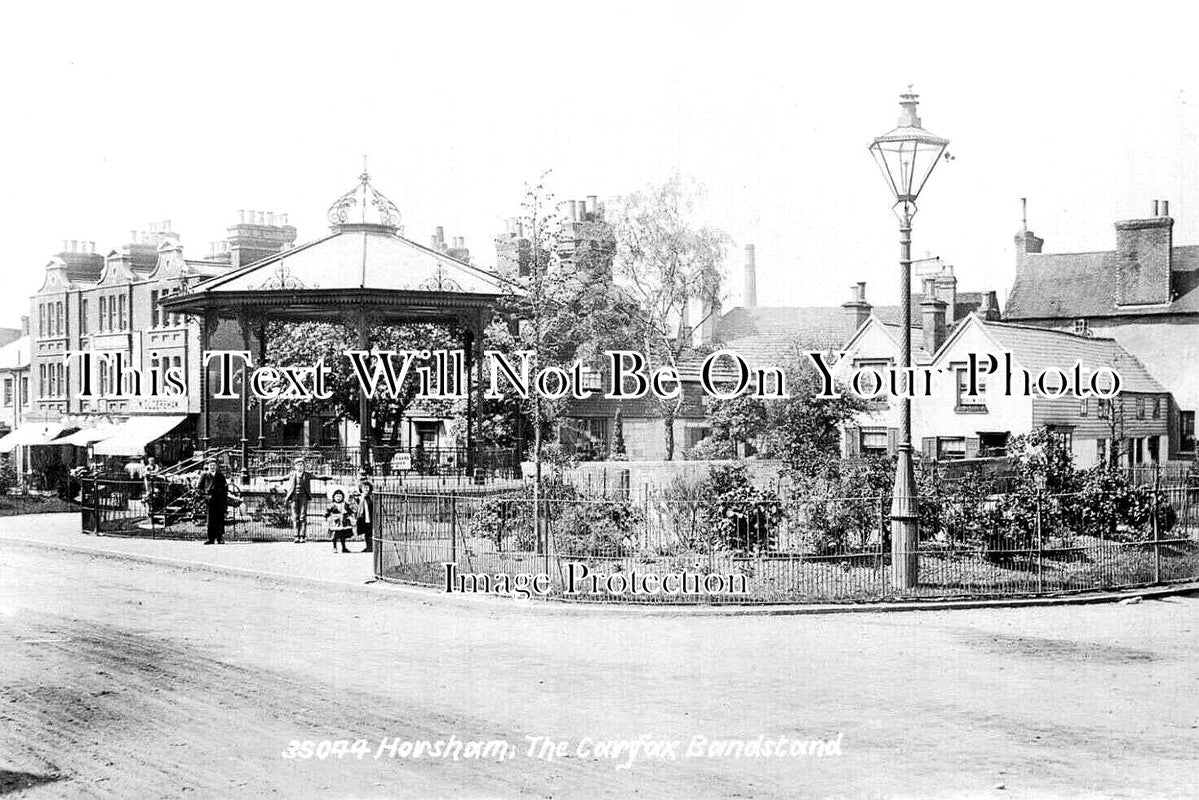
{"x":31,"y":433}
{"x":86,"y":436}
{"x":132,"y":436}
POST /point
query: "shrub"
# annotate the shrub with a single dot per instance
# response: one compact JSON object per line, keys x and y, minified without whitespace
{"x":8,"y":474}
{"x":578,"y":526}
{"x":742,"y":517}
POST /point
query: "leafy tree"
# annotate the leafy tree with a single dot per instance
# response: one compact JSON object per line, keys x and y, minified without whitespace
{"x":666,"y":260}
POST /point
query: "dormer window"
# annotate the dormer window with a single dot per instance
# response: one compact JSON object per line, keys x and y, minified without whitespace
{"x":1082,"y":327}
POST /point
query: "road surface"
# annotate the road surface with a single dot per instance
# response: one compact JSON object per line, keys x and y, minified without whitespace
{"x":133,"y":680}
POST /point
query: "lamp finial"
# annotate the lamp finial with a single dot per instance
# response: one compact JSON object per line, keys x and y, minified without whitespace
{"x":908,"y":101}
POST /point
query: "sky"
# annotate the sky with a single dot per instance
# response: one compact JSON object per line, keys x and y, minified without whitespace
{"x":117,"y":115}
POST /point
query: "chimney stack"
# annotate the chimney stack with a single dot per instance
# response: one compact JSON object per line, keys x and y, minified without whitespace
{"x":932,"y":317}
{"x":857,"y":309}
{"x":989,"y":309}
{"x":749,"y":297}
{"x":1144,"y":252}
{"x":1026,"y":241}
{"x":25,"y":325}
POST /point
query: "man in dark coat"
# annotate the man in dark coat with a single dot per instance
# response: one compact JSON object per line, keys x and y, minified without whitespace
{"x":364,"y":513}
{"x":215,"y":492}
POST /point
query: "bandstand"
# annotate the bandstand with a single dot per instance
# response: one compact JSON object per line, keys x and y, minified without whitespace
{"x":363,"y":274}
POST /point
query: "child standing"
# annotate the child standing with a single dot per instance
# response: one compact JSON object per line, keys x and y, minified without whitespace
{"x":338,"y":517}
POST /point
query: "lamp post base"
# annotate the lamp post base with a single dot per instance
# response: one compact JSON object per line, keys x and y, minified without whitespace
{"x":905,"y":525}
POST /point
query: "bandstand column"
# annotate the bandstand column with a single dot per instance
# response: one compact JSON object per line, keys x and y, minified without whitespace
{"x":479,"y":461}
{"x":365,"y":439}
{"x":468,"y":353}
{"x":244,"y":323}
{"x":262,"y":344}
{"x":208,"y":323}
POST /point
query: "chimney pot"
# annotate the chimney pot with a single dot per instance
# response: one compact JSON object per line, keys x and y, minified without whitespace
{"x":64,"y":245}
{"x":282,"y":219}
{"x":1165,"y":208}
{"x":91,"y":247}
{"x":1156,"y":208}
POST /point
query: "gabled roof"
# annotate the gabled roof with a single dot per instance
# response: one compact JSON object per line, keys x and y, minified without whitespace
{"x":15,"y":354}
{"x":1074,"y":285}
{"x":371,"y":259}
{"x":1036,"y":349}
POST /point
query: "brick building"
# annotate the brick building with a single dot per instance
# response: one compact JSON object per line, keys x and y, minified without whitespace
{"x":109,"y":303}
{"x":1144,"y":294}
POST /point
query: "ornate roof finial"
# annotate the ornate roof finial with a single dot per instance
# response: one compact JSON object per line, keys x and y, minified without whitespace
{"x":364,"y":207}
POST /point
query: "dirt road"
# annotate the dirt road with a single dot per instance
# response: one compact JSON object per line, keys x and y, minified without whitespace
{"x":133,"y":680}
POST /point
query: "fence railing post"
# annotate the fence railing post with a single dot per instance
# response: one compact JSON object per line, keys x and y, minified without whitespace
{"x":454,"y":527}
{"x":1040,"y":546}
{"x":1157,"y":548}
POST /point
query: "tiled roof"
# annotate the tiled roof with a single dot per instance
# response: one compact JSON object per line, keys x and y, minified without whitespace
{"x":1036,"y":349}
{"x":1072,"y":285}
{"x":15,"y":354}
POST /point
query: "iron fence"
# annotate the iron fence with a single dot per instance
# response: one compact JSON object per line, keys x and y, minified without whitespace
{"x":807,"y":549}
{"x":775,"y":555}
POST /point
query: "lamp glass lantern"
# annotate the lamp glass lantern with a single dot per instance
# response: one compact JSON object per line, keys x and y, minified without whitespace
{"x":907,"y":155}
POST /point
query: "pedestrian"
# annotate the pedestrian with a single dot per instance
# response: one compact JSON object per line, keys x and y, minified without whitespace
{"x":214,"y":491}
{"x":299,"y":490}
{"x":338,"y":516}
{"x":364,"y":513}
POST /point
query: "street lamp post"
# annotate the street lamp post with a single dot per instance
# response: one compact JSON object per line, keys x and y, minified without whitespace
{"x":906,"y":156}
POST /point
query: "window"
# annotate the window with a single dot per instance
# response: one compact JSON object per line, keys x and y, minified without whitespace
{"x":966,"y":403}
{"x":123,"y":321}
{"x":873,"y":442}
{"x":1082,"y":328}
{"x":58,"y":319}
{"x":7,"y":392}
{"x":24,"y":390}
{"x":1140,"y":408}
{"x":1084,"y":406}
{"x":993,"y":445}
{"x":83,"y":316}
{"x":1186,"y":431}
{"x":41,"y":380}
{"x":41,"y":319}
{"x":153,"y":308}
{"x":1154,"y":448}
{"x":953,"y":449}
{"x":1157,"y":408}
{"x":1105,"y":409}
{"x":112,"y":313}
{"x":103,"y":312}
{"x":693,"y":434}
{"x":1064,"y":434}
{"x":590,"y":435}
{"x":592,"y":379}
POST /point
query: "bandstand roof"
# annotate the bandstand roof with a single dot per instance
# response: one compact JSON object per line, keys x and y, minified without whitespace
{"x":364,"y":264}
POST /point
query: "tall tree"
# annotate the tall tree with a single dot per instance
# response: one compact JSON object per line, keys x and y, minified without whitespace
{"x":667,"y":260}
